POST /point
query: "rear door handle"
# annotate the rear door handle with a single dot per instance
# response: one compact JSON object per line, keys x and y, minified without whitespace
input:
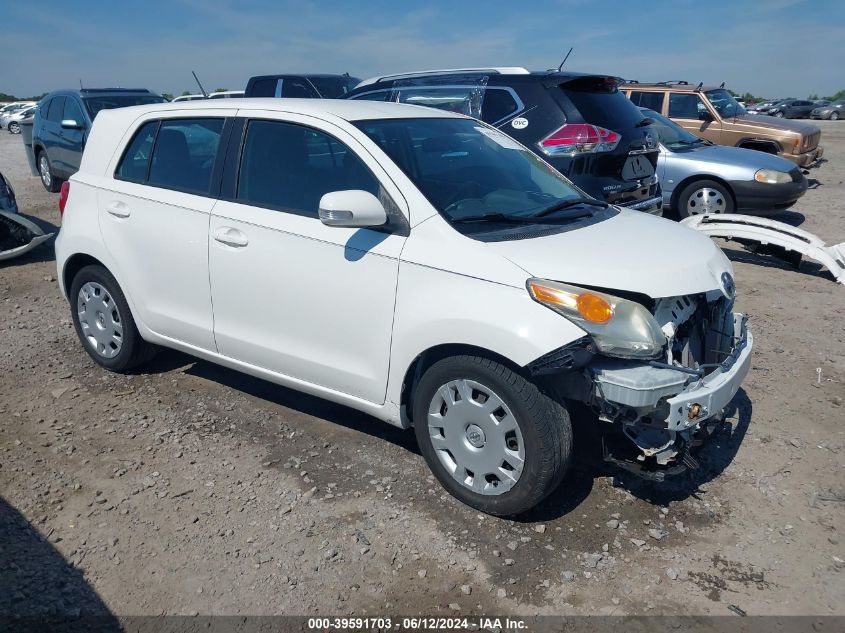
{"x":231,"y":237}
{"x":118,"y":209}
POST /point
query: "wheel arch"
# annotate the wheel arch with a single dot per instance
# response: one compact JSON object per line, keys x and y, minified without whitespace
{"x":749,"y":141}
{"x":74,"y":264}
{"x":430,"y":356}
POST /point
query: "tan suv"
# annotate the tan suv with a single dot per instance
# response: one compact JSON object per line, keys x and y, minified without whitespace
{"x":713,"y":114}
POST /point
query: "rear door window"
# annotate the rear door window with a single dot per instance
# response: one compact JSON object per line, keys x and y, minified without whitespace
{"x":57,"y":109}
{"x":684,"y":105}
{"x":289,"y":167}
{"x":184,"y":153}
{"x":650,"y":100}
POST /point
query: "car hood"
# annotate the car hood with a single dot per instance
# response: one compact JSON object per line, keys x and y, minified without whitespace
{"x":732,"y":157}
{"x":632,"y":252}
{"x":764,"y":121}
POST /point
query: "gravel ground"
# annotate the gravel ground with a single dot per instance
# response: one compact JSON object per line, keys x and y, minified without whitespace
{"x":188,"y":488}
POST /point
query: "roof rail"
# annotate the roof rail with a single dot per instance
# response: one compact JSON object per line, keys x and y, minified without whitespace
{"x":672,"y":82}
{"x":113,"y":90}
{"x":501,"y":70}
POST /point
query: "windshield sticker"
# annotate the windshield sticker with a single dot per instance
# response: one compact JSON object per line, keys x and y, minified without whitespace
{"x":499,"y":138}
{"x":519,"y":123}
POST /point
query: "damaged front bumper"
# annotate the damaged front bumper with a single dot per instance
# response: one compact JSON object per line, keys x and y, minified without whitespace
{"x":663,"y":410}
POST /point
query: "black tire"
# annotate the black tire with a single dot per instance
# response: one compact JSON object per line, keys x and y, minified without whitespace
{"x":14,"y":127}
{"x":543,"y":422}
{"x":133,"y":350}
{"x":690,"y":192}
{"x":778,"y":114}
{"x":48,"y":179}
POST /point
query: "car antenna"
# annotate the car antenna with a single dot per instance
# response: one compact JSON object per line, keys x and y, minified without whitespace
{"x":722,"y":85}
{"x":202,"y":90}
{"x":698,"y":87}
{"x":564,"y":59}
{"x":80,"y":85}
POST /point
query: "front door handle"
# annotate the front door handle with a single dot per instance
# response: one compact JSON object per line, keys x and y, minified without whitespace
{"x":118,"y":209}
{"x":231,"y":237}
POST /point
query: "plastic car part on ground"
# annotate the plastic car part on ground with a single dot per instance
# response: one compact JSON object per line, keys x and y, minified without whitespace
{"x":18,"y":235}
{"x":771,"y":232}
{"x":7,"y":197}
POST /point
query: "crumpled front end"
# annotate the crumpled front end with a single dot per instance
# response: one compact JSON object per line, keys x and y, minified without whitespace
{"x":653,"y":412}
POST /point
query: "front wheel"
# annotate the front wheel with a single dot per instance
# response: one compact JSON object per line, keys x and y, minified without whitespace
{"x":104,"y":323}
{"x":704,"y":196}
{"x":50,"y":182}
{"x":834,"y":116}
{"x":491,"y":437}
{"x":779,"y":115}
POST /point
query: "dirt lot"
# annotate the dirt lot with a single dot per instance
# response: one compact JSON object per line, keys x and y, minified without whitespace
{"x":188,"y":488}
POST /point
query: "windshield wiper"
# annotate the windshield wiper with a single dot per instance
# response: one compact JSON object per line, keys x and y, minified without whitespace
{"x":644,"y":122}
{"x":493,"y":217}
{"x":562,"y":205}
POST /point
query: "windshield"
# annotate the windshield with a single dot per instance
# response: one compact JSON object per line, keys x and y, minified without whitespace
{"x":672,"y":135}
{"x":468,"y":170}
{"x":334,"y":87}
{"x":724,"y":103}
{"x":107,"y":102}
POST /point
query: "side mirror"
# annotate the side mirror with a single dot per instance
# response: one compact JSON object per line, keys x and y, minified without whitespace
{"x":352,"y":208}
{"x":705,"y":115}
{"x":71,"y":124}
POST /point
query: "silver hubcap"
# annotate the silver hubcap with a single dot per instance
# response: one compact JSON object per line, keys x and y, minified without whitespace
{"x":13,"y":128}
{"x":99,"y":319}
{"x":44,"y":168}
{"x":476,"y":437}
{"x":834,"y":116}
{"x":706,"y":200}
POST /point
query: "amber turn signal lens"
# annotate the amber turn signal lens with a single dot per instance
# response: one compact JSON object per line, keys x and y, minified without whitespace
{"x":594,"y":308}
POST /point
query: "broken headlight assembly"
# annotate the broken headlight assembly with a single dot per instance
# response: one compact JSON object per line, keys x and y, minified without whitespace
{"x":619,"y":327}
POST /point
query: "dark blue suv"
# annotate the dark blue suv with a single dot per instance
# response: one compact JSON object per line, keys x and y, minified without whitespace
{"x":63,"y":120}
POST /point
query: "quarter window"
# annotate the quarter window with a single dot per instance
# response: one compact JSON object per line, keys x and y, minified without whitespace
{"x":136,"y":158}
{"x":684,"y":106}
{"x":290,"y":167}
{"x":497,"y":105}
{"x":184,"y":153}
{"x":650,"y":100}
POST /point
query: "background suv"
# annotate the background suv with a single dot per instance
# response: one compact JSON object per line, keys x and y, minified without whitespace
{"x":713,"y":114}
{"x":579,"y":123}
{"x":63,"y":120}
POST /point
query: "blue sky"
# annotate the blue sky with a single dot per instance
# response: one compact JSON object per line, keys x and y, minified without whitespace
{"x":769,"y":47}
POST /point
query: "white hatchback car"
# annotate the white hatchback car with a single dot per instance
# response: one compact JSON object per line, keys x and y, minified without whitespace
{"x":419,"y":266}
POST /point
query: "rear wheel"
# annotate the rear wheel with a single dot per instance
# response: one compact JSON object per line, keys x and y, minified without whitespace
{"x":491,"y":437}
{"x":50,"y":182}
{"x":14,"y":127}
{"x":704,"y":196}
{"x":104,"y":323}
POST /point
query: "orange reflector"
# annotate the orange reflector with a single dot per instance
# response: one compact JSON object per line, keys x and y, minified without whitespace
{"x":594,"y":308}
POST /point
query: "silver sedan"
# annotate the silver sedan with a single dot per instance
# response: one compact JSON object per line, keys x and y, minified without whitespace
{"x":699,"y":177}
